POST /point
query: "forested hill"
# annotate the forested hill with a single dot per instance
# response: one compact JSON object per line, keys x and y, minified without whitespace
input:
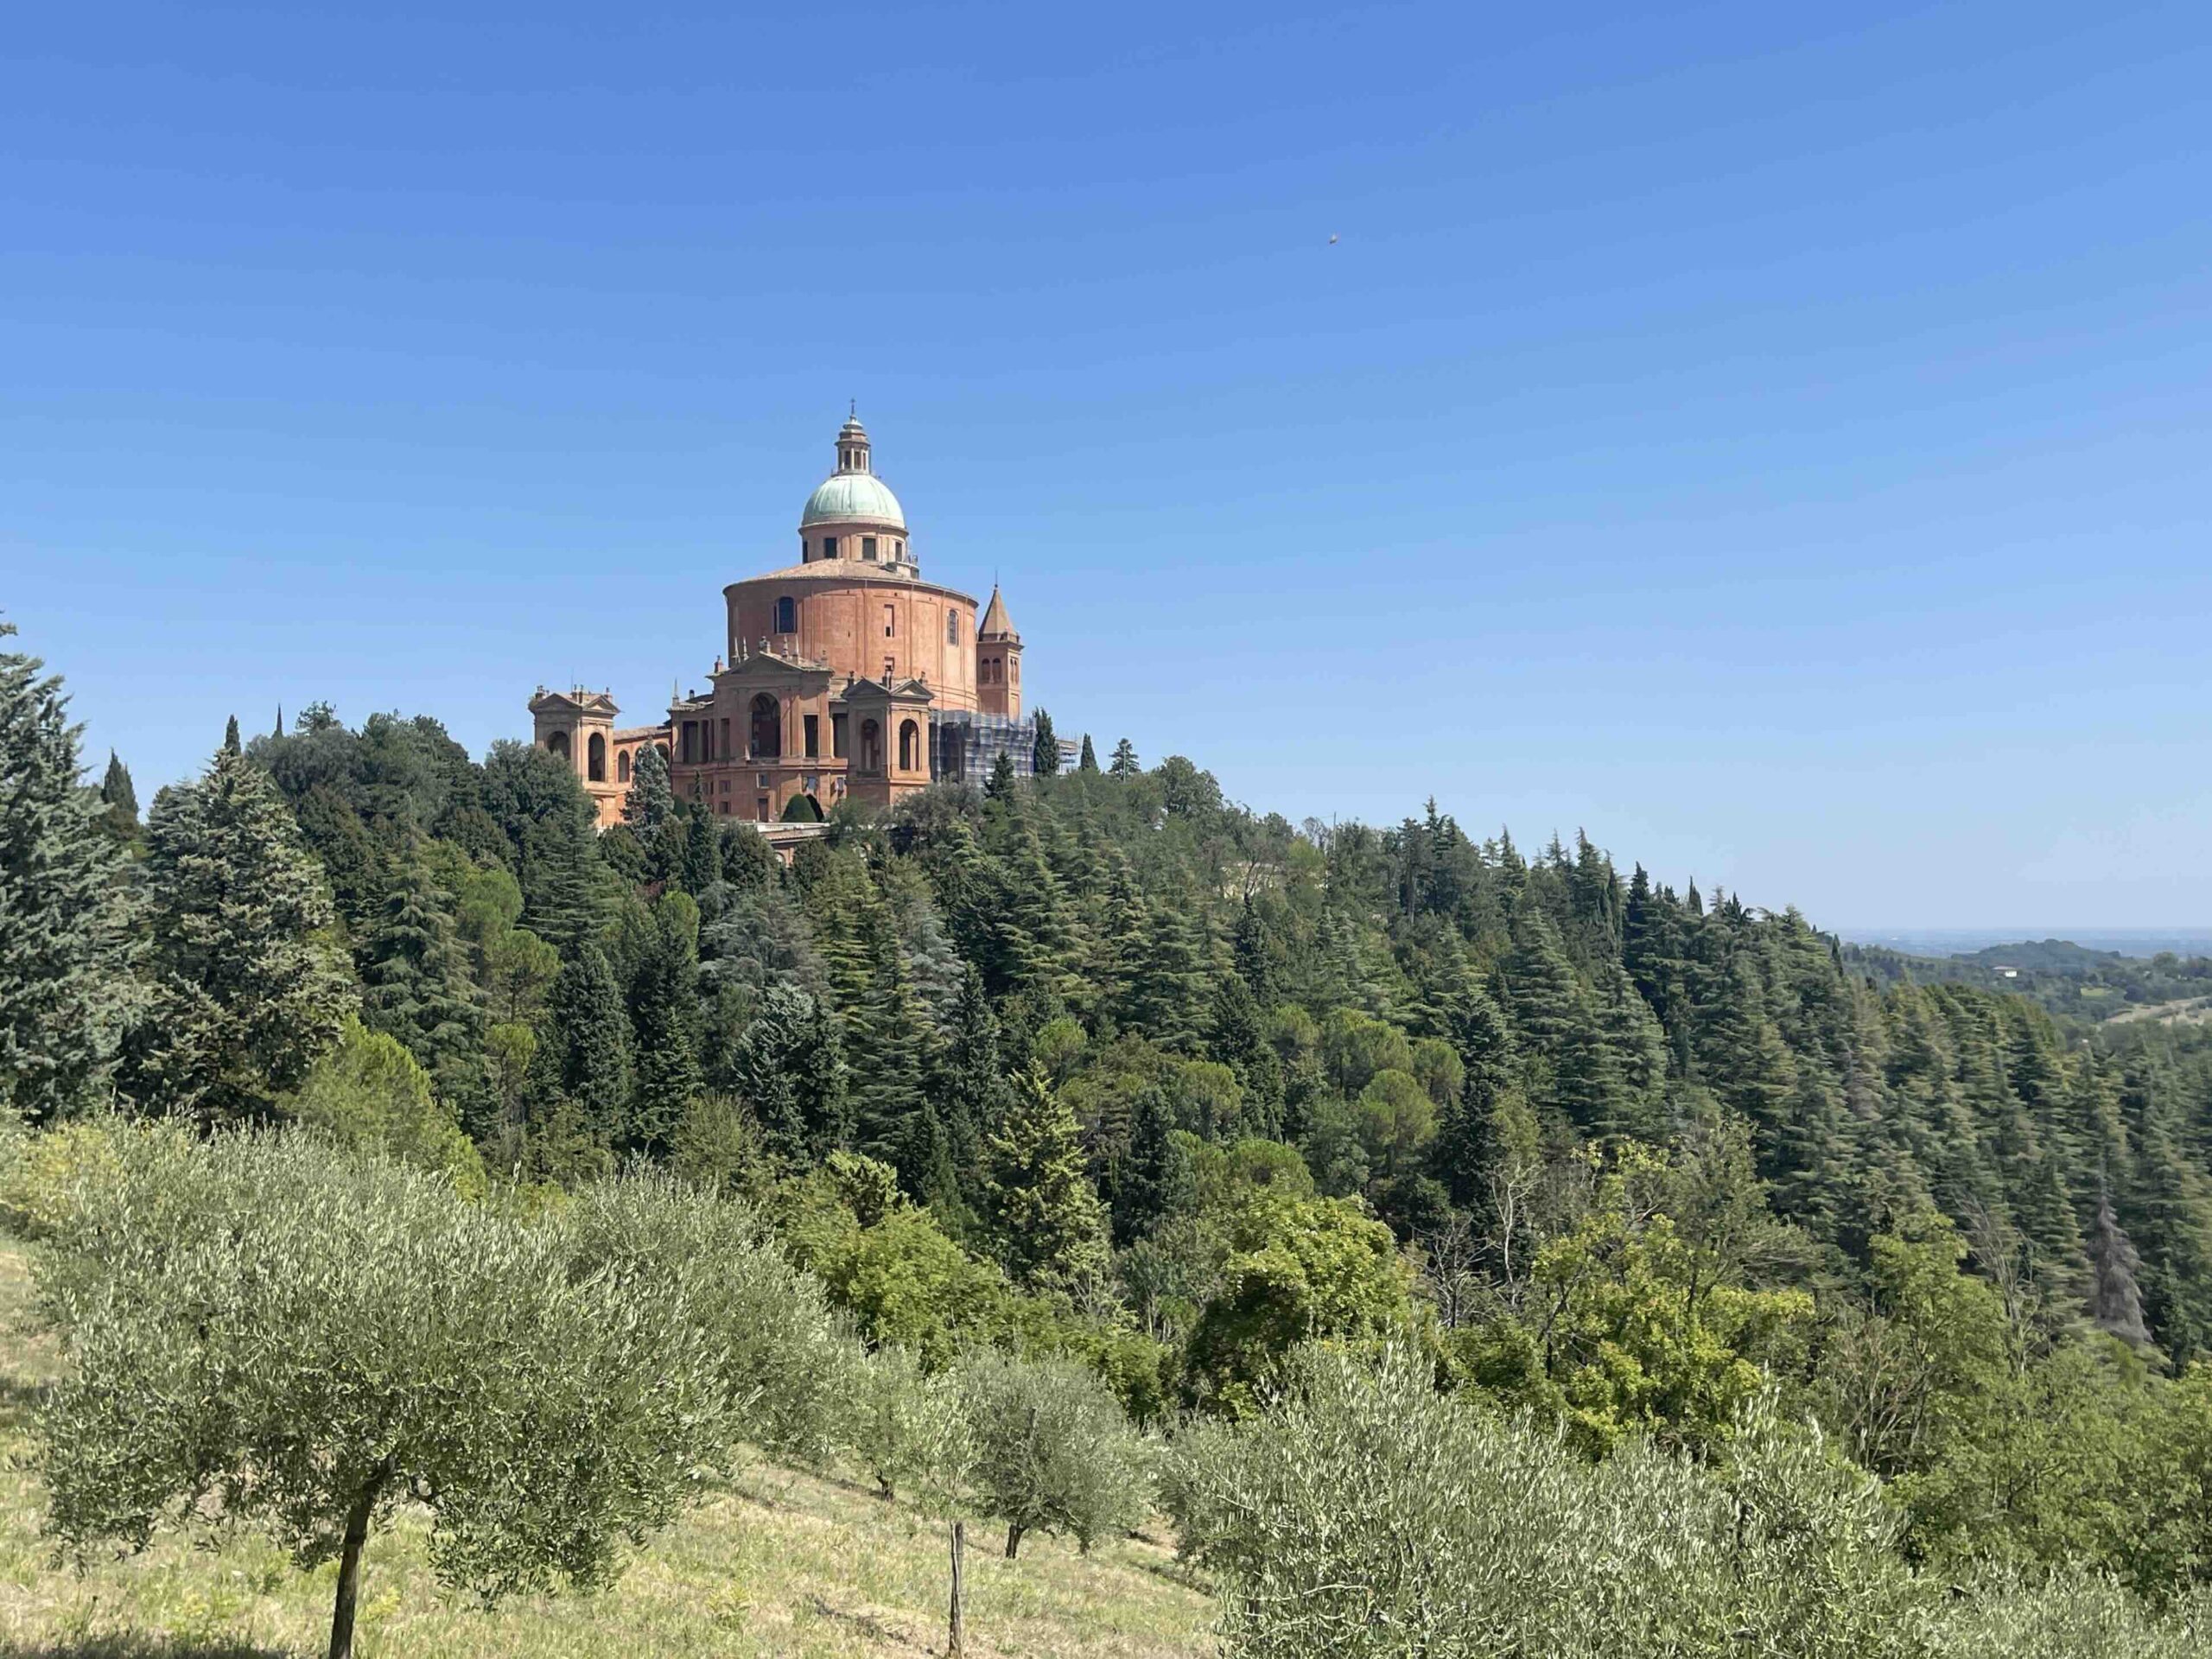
{"x":1103,"y":1065}
{"x":2069,"y":980}
{"x":1372,"y":997}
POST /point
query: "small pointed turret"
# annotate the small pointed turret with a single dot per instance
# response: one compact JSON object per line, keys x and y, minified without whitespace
{"x":996,"y":624}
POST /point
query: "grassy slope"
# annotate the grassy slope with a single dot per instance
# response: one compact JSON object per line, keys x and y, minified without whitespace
{"x":784,"y":1563}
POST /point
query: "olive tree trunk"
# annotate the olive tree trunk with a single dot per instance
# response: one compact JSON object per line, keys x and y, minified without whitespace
{"x":349,"y":1567}
{"x":1013,"y":1531}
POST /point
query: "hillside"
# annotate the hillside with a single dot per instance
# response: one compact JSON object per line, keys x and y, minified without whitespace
{"x":2071,"y":981}
{"x":784,"y":1563}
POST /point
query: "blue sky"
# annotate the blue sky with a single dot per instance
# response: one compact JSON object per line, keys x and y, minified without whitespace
{"x":1772,"y":438}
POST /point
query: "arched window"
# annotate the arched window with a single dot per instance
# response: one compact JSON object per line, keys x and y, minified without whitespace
{"x":622,"y":767}
{"x":871,"y":747}
{"x":952,"y":627}
{"x":768,"y":729}
{"x":557,"y":743}
{"x":910,"y":742}
{"x":595,"y":766}
{"x":787,"y":615}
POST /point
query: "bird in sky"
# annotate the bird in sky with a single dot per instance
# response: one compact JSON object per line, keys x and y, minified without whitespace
{"x":1332,"y":238}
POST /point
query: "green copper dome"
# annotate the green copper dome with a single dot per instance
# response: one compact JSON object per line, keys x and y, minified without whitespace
{"x":844,"y":496}
{"x":853,"y":492}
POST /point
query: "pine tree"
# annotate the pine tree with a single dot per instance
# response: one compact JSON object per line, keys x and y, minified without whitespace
{"x":1238,"y":1039}
{"x":1045,"y":749}
{"x":588,"y":1056}
{"x":968,"y":1089}
{"x":663,"y":1018}
{"x":1540,"y":991}
{"x":1049,"y":1223}
{"x":1124,"y":763}
{"x":1151,"y":1178}
{"x":790,"y":1068}
{"x":2116,"y":1300}
{"x":68,"y":909}
{"x":999,"y":786}
{"x":245,"y":998}
{"x":650,"y":811}
{"x":1088,"y":761}
{"x":415,"y":982}
{"x":231,"y":736}
{"x":702,"y":866}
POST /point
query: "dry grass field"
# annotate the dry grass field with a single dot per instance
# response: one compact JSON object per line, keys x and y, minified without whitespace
{"x":783,"y":1564}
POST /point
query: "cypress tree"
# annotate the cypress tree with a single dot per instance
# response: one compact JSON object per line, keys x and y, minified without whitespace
{"x":664,"y":1017}
{"x":1045,"y":749}
{"x":1088,"y":762}
{"x":245,"y":998}
{"x":1151,"y":1178}
{"x":588,"y":1057}
{"x":999,"y":786}
{"x":68,"y":909}
{"x":702,"y":865}
{"x":120,"y":798}
{"x":231,"y":736}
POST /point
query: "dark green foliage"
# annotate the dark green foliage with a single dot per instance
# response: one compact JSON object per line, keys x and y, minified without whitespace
{"x":1124,"y":762}
{"x":664,"y":1019}
{"x":67,"y":906}
{"x":587,"y":1056}
{"x":1089,"y":761}
{"x":415,"y":981}
{"x":1049,"y":1225}
{"x":790,"y":1069}
{"x":1045,"y":749}
{"x":120,"y":797}
{"x":243,"y":996}
{"x":999,"y":786}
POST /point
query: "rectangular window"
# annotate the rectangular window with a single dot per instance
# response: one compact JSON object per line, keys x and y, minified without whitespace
{"x":725,"y":786}
{"x":723,"y":807}
{"x":688,"y":748}
{"x":867,"y":547}
{"x":891,"y":621}
{"x":952,"y":627}
{"x":761,"y":809}
{"x":813,"y":735}
{"x":828,"y":547}
{"x":837,"y":737}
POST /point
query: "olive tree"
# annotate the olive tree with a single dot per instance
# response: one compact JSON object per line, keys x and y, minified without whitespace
{"x":908,"y":1428}
{"x":1051,"y":1451}
{"x":265,"y":1330}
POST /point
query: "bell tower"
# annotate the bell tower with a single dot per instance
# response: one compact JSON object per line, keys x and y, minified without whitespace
{"x":998,"y":661}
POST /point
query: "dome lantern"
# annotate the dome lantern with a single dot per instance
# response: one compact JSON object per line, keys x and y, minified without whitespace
{"x":853,"y":494}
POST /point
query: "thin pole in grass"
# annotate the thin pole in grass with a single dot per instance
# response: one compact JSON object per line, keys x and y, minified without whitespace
{"x":952,"y":1648}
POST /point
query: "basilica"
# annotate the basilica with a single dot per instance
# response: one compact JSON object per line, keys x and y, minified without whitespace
{"x":845,"y":675}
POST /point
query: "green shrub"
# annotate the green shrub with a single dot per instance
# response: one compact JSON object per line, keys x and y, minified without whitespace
{"x":1363,"y":1514}
{"x":45,"y":1176}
